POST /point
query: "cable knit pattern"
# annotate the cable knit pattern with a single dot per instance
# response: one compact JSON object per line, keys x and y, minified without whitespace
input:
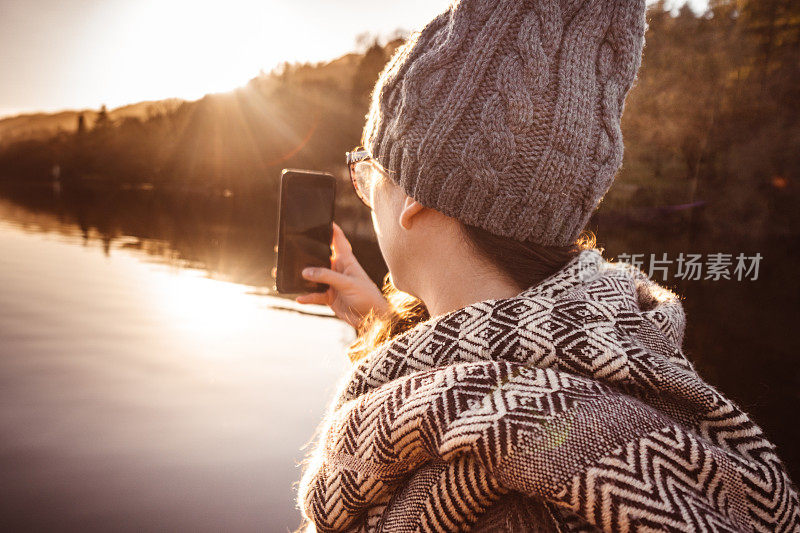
{"x":574,"y":393}
{"x":506,"y":114}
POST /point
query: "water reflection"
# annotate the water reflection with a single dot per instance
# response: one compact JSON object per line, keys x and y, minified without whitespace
{"x":231,"y":238}
{"x":149,"y":377}
{"x":146,"y":395}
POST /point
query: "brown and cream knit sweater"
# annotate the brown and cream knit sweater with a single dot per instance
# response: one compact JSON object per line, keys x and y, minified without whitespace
{"x":572,"y":401}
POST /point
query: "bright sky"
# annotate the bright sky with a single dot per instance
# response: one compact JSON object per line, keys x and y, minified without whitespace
{"x":57,"y":54}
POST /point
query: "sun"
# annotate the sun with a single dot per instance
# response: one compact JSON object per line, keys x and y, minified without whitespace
{"x":186,"y":49}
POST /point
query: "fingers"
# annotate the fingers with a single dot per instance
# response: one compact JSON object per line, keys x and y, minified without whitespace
{"x":326,"y":275}
{"x":320,"y":298}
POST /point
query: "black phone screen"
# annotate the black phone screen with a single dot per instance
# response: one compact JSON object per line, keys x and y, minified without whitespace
{"x":305,"y":228}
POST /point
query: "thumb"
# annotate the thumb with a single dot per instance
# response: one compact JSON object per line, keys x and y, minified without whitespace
{"x":340,"y":243}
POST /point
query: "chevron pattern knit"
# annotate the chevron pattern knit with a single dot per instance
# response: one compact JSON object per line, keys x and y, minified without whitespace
{"x":576,"y":392}
{"x":505,"y":114}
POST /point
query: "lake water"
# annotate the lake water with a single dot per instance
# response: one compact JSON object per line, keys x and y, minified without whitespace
{"x":148,"y":380}
{"x":136,"y":394}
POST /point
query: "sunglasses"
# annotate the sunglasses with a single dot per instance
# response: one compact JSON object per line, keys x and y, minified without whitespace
{"x":365,"y":172}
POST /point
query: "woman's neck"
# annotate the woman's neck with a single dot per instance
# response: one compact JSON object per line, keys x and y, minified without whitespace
{"x":460,"y":287}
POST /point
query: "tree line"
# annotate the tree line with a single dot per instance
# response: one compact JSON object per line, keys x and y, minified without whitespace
{"x":711,"y":127}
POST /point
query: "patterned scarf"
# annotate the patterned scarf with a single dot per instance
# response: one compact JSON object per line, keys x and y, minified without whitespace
{"x":575,"y":391}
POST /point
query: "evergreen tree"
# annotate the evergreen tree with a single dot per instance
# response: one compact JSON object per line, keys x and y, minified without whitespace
{"x":102,"y":118}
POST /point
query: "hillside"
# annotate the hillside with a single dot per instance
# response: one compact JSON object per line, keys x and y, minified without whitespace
{"x":44,"y":125}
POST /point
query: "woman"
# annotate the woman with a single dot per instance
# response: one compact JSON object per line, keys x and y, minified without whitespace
{"x":507,"y":377}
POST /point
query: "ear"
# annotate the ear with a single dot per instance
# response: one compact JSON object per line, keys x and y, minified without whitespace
{"x":410,"y":209}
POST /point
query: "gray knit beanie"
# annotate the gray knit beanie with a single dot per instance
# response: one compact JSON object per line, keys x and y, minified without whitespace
{"x":505,"y":114}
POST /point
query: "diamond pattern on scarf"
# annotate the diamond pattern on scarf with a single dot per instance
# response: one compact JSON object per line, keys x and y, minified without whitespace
{"x":575,"y":391}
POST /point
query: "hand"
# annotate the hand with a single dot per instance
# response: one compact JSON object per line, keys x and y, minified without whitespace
{"x":351,"y":293}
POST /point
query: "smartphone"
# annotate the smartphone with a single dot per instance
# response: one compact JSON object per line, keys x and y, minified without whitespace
{"x":305,"y":228}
